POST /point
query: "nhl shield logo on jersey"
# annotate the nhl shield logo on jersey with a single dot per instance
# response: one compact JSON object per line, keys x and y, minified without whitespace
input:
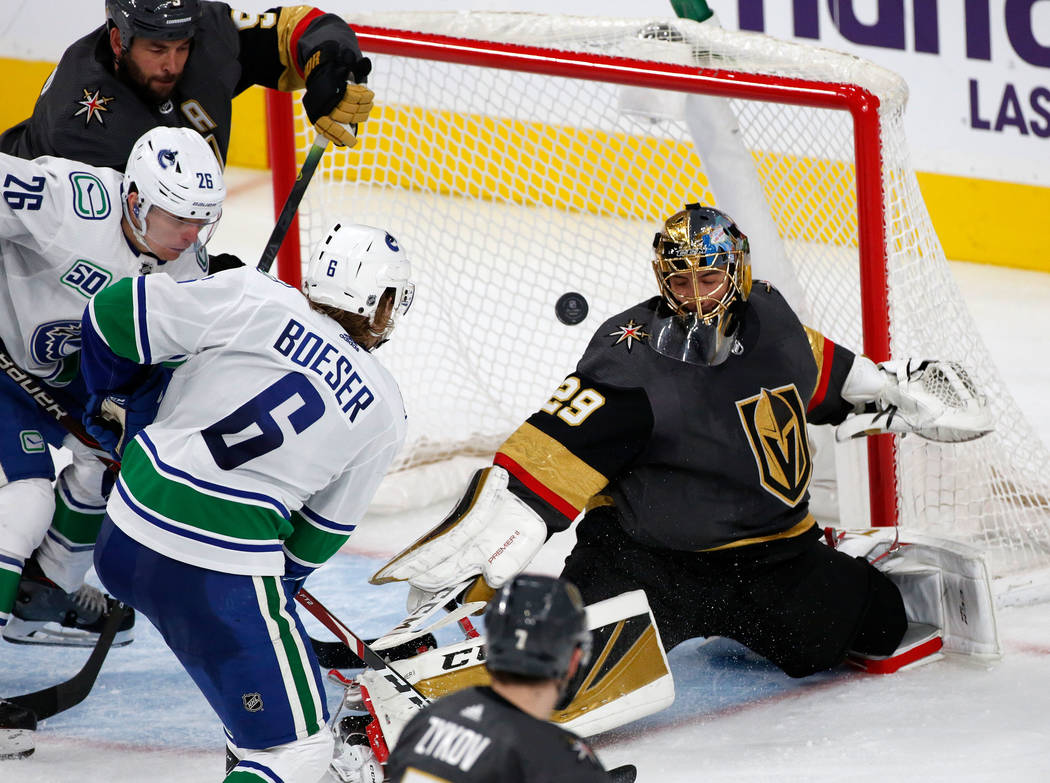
{"x":775,"y":423}
{"x":629,"y":333}
{"x":252,"y":702}
{"x":93,"y":104}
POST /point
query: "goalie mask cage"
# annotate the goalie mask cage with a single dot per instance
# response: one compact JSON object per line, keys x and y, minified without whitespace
{"x":519,"y":157}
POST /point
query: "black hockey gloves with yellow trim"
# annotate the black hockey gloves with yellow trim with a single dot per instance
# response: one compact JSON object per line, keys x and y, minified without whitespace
{"x":336,"y":99}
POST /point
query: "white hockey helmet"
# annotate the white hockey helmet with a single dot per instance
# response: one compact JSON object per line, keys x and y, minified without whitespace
{"x":175,"y":170}
{"x":353,"y":266}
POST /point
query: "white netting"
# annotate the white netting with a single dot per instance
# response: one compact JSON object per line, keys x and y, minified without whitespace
{"x":509,"y":189}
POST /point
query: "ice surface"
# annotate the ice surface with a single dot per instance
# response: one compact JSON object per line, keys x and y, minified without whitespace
{"x":735,"y":717}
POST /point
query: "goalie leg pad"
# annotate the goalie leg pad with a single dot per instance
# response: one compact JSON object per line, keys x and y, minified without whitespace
{"x":944,"y":584}
{"x":921,"y":644}
{"x":626,"y":679}
{"x":490,"y":532}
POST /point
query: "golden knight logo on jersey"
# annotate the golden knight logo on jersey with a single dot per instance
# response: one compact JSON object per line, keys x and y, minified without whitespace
{"x":775,"y":423}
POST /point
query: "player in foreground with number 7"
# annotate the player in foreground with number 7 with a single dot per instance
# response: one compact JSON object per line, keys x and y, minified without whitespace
{"x":537,"y":639}
{"x":68,"y":230}
{"x":275,"y":430}
{"x":681,"y":436}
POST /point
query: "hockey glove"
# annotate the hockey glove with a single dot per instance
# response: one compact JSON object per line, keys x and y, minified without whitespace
{"x":490,"y":532}
{"x":115,"y":419}
{"x":937,"y":400}
{"x":336,"y":100}
{"x":295,"y":574}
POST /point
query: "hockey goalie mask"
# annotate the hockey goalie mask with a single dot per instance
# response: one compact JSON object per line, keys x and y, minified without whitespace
{"x":180,"y":191}
{"x":702,"y":263}
{"x":362,"y":270}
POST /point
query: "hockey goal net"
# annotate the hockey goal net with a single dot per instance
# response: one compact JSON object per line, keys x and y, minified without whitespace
{"x":521,"y":157}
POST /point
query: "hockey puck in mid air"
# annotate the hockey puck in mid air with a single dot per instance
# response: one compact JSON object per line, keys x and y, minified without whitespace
{"x":571,"y":308}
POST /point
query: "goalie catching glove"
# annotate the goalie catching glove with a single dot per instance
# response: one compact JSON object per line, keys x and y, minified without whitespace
{"x":936,"y":400}
{"x":490,"y":532}
{"x":336,"y":99}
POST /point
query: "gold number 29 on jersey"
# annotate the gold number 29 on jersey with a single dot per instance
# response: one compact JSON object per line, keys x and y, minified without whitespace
{"x":572,"y":404}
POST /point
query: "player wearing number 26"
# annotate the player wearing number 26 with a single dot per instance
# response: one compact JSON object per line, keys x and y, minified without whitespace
{"x":68,"y":230}
{"x":271,"y":439}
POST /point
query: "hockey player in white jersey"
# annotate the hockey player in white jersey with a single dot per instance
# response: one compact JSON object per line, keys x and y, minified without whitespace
{"x":267,"y":447}
{"x":68,"y":230}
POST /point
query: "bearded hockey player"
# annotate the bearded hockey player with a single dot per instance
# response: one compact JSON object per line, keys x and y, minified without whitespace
{"x":67,"y":231}
{"x":537,"y":638}
{"x":180,"y":63}
{"x":681,"y":437}
{"x":221,"y":510}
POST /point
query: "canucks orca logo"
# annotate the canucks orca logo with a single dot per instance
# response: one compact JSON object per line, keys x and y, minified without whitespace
{"x":54,"y":341}
{"x":166,"y":158}
{"x":775,"y":423}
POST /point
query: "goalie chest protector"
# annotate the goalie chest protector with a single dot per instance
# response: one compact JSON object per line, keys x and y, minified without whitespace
{"x":728,"y":457}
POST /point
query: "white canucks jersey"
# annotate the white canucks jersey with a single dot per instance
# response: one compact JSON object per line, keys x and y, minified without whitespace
{"x":60,"y":243}
{"x":273,"y":434}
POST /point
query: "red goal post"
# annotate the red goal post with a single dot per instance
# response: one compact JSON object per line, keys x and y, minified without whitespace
{"x":861,"y":186}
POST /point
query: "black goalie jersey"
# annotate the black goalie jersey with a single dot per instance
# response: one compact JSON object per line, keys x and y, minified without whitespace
{"x":693,"y":457}
{"x":86,"y":113}
{"x":477,"y":736}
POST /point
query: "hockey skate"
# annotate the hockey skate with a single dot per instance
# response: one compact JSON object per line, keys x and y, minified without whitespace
{"x":354,"y":761}
{"x":45,"y":614}
{"x":17,"y":725}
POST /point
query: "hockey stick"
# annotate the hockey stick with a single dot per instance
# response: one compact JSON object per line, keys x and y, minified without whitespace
{"x":371,"y":658}
{"x":55,"y":404}
{"x":397,"y":643}
{"x":291,"y":204}
{"x":58,"y":698}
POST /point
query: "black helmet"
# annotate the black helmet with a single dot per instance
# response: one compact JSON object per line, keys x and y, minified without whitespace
{"x":532,"y":626}
{"x":164,"y":20}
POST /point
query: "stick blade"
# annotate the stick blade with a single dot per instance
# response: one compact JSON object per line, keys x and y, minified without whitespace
{"x":58,"y":698}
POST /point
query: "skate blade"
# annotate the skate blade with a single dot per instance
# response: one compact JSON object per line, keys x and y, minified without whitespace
{"x":23,"y":632}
